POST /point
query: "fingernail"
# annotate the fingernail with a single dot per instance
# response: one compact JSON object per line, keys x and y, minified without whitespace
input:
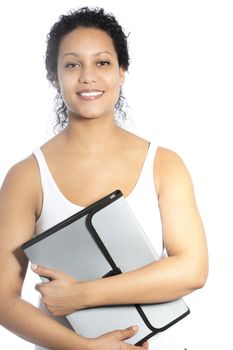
{"x":135,"y":328}
{"x":34,"y":266}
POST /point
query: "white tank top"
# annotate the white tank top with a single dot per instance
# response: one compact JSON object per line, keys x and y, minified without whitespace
{"x":144,"y":203}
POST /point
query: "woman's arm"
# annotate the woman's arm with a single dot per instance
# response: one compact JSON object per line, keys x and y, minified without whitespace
{"x":18,"y":207}
{"x":184,"y":270}
{"x":186,"y":267}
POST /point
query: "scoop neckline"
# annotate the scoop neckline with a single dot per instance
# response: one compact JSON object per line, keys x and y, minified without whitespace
{"x":61,"y":194}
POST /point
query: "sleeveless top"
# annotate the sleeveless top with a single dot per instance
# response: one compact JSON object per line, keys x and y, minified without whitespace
{"x":144,"y":203}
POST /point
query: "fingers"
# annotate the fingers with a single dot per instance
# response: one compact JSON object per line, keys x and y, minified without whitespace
{"x":126,"y":333}
{"x":38,"y":287}
{"x":45,"y":271}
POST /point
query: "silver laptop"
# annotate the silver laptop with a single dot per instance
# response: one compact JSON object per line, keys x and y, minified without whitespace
{"x":103,"y":240}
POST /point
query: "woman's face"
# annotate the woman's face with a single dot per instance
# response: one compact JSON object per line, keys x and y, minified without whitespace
{"x":89,"y":76}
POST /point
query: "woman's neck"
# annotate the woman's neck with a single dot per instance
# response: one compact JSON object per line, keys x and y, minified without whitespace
{"x":92,"y":135}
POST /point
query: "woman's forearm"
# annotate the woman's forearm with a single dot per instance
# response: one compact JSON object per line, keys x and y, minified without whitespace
{"x":167,"y":279}
{"x":31,"y":324}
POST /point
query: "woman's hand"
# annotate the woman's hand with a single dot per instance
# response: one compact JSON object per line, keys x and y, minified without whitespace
{"x":114,"y":340}
{"x":60,"y":294}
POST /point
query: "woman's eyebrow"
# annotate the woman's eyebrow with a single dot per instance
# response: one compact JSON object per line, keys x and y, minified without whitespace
{"x":101,"y":52}
{"x":77,"y":55}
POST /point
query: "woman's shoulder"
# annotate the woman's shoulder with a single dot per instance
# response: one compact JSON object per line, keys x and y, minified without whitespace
{"x":23,"y":176}
{"x":21,"y":185}
{"x":170,"y":168}
{"x":167,"y":156}
{"x":25,"y":167}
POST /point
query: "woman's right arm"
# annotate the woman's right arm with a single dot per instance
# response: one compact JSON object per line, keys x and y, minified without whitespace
{"x":18,"y":208}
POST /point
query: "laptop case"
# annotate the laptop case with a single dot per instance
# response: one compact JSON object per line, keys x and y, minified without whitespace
{"x":103,"y":240}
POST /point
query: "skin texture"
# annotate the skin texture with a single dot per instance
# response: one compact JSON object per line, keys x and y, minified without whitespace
{"x":93,"y":139}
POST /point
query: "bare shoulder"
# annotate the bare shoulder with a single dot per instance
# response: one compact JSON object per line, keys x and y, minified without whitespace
{"x":22,"y":172}
{"x":170,"y":169}
{"x":26,"y":173}
{"x":22,"y":181}
{"x":168,"y":158}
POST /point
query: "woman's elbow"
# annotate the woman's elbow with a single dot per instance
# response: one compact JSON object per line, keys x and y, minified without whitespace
{"x":198,"y":277}
{"x":201,"y":281}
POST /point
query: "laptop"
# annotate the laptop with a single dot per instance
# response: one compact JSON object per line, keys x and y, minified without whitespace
{"x":102,"y":240}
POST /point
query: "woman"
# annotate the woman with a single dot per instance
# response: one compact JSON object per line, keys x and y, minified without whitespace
{"x":86,"y":61}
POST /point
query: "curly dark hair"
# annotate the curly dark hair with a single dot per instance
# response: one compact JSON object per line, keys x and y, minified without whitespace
{"x":89,"y":18}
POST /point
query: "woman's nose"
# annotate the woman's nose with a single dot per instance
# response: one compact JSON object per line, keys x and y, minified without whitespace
{"x":87,"y":75}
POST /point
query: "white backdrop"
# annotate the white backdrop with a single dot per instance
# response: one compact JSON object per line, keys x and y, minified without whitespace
{"x":179,"y":87}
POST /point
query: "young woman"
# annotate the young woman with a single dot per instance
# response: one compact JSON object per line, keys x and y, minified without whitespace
{"x":86,"y":61}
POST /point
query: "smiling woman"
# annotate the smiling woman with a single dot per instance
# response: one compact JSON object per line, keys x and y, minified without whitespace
{"x":89,"y":74}
{"x":92,"y":156}
{"x":109,"y":30}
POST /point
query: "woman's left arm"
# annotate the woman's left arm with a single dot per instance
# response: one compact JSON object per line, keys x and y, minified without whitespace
{"x":184,"y":270}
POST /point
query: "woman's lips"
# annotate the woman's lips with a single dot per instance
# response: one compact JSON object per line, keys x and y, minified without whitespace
{"x":90,"y":95}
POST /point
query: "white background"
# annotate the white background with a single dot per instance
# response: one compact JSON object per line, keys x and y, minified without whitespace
{"x":179,"y":87}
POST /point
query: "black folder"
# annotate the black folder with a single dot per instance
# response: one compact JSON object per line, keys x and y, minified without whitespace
{"x":102,"y":240}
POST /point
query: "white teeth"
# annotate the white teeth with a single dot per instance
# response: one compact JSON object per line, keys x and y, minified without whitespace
{"x":93,"y":93}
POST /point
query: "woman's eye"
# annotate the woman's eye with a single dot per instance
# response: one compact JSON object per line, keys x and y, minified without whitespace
{"x":72,"y":65}
{"x":103,"y":63}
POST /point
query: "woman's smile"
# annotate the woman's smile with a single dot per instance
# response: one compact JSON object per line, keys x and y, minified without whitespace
{"x":90,"y":94}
